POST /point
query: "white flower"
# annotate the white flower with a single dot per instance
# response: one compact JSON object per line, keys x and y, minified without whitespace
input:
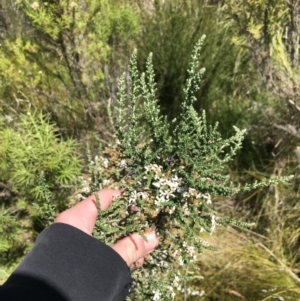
{"x":143,"y":195}
{"x":191,"y":251}
{"x":161,"y":182}
{"x":105,"y":182}
{"x":86,"y":189}
{"x":166,"y":194}
{"x":177,"y":180}
{"x":185,"y":208}
{"x":192,"y":192}
{"x":123,"y":163}
{"x":156,"y":184}
{"x":172,"y":210}
{"x":154,"y":167}
{"x":172,"y":293}
{"x":159,"y":200}
{"x":207,"y":197}
{"x":180,"y":261}
{"x":105,"y":162}
{"x":156,"y":296}
{"x":80,"y":197}
{"x":132,"y":197}
{"x":185,"y":195}
{"x":174,"y":254}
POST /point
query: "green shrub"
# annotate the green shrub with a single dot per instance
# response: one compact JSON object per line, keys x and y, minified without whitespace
{"x":174,"y":27}
{"x":33,"y":150}
{"x":64,"y":57}
{"x":38,"y":171}
{"x":169,"y":177}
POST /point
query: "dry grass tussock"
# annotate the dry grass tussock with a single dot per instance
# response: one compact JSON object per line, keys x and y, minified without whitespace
{"x":244,"y":268}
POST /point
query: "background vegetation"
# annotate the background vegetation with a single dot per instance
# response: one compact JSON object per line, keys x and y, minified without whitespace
{"x":60,"y":61}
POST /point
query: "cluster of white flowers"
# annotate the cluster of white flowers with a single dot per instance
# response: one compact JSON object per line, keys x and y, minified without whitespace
{"x":180,"y":261}
{"x":185,"y":209}
{"x":169,"y":186}
{"x":162,"y":259}
{"x":193,"y":193}
{"x":190,"y":250}
{"x":171,"y":291}
{"x":195,"y":292}
{"x":167,"y":189}
{"x":134,"y":195}
{"x":172,"y":210}
{"x":123,"y":163}
{"x":100,"y":162}
{"x":155,"y":168}
{"x":175,"y":253}
{"x":86,"y":189}
{"x":207,"y":197}
{"x":85,"y":182}
{"x":176,"y":283}
{"x":80,"y":197}
{"x":105,"y":182}
{"x":105,"y":162}
{"x":156,"y":295}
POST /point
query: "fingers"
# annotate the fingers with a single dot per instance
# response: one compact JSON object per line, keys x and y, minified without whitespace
{"x":106,"y":197}
{"x":133,"y":248}
{"x":138,"y":263}
{"x":84,"y":214}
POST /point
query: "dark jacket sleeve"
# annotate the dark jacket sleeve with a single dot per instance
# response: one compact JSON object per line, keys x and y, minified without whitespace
{"x":67,"y":264}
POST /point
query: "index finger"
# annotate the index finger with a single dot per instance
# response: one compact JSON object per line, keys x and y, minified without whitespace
{"x":84,"y":214}
{"x":106,"y":197}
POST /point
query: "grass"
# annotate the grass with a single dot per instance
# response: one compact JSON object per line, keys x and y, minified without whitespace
{"x":244,"y":268}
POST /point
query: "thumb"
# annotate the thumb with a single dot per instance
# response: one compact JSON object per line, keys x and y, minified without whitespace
{"x":134,"y":247}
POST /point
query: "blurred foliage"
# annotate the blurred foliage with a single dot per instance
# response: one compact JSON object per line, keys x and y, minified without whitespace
{"x":63,"y":58}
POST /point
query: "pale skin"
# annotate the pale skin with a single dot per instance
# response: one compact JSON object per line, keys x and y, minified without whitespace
{"x":83,"y":215}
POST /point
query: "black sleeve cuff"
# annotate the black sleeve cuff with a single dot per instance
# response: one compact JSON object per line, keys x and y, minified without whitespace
{"x":69,"y":265}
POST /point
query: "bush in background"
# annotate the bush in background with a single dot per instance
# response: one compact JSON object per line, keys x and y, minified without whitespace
{"x":37,"y":172}
{"x":63,"y":58}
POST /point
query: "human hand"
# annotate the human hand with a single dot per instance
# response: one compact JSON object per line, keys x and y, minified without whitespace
{"x":83,"y":216}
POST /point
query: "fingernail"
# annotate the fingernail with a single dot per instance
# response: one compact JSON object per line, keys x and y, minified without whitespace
{"x":152,"y":242}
